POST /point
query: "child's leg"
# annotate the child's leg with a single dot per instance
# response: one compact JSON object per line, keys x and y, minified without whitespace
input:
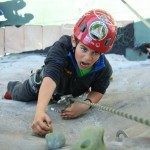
{"x":21,"y":91}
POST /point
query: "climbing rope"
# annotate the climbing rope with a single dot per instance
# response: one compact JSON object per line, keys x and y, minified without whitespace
{"x":116,"y":112}
{"x":68,"y":99}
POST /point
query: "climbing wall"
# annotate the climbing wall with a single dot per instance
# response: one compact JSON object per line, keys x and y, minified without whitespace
{"x":125,"y":37}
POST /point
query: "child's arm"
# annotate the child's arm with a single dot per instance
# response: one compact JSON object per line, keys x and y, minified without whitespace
{"x":77,"y":109}
{"x":46,"y":91}
{"x":95,"y":97}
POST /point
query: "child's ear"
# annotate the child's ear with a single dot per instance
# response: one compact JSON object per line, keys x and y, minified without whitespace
{"x":73,"y":41}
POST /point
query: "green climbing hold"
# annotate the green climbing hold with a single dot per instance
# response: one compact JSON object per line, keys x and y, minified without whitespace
{"x":55,"y":140}
{"x":91,"y":138}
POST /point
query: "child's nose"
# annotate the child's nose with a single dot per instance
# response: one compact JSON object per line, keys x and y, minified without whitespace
{"x":88,"y":57}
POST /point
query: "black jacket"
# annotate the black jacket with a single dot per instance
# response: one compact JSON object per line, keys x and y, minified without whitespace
{"x":61,"y":66}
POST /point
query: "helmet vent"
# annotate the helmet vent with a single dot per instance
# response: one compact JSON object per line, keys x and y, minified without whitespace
{"x":107,"y":42}
{"x":81,"y":21}
{"x":84,"y":26}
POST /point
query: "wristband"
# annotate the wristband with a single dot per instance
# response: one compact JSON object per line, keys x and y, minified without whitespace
{"x":89,"y":101}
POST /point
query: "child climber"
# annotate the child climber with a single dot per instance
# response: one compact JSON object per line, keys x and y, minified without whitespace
{"x":73,"y":65}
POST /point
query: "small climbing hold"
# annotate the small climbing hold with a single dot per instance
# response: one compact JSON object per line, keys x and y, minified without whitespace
{"x":55,"y":140}
{"x":91,"y":138}
{"x":38,"y":135}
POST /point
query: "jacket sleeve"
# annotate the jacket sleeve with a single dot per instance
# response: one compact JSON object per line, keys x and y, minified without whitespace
{"x":55,"y":61}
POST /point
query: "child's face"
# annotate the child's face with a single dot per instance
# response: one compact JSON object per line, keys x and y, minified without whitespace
{"x":85,"y":57}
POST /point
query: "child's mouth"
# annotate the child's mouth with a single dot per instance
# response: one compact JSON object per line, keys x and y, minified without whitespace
{"x":84,"y":65}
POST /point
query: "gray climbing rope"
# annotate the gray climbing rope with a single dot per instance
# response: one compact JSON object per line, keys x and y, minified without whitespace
{"x":68,"y":99}
{"x":116,"y":112}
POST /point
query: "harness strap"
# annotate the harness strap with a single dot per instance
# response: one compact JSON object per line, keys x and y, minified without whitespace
{"x":36,"y":79}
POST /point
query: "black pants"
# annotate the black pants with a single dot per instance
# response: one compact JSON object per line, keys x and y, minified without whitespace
{"x":21,"y":91}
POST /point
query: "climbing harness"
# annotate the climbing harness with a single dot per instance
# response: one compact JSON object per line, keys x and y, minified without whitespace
{"x":36,"y":79}
{"x":68,"y":99}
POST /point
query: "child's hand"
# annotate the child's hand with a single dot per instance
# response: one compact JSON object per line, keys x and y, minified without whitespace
{"x":74,"y":111}
{"x":41,"y":124}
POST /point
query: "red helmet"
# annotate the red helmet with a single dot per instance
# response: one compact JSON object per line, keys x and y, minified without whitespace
{"x":97,"y":30}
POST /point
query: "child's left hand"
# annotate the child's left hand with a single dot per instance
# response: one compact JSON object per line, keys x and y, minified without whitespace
{"x":74,"y":111}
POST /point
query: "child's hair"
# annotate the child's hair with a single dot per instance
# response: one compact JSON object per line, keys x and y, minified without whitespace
{"x":76,"y":40}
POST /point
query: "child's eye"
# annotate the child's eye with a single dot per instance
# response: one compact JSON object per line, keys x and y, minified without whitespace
{"x":83,"y":49}
{"x":96,"y":53}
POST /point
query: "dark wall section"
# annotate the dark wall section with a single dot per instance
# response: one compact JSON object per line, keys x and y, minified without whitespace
{"x":125,"y":37}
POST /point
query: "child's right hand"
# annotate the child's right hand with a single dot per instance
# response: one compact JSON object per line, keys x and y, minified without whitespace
{"x":41,"y":124}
